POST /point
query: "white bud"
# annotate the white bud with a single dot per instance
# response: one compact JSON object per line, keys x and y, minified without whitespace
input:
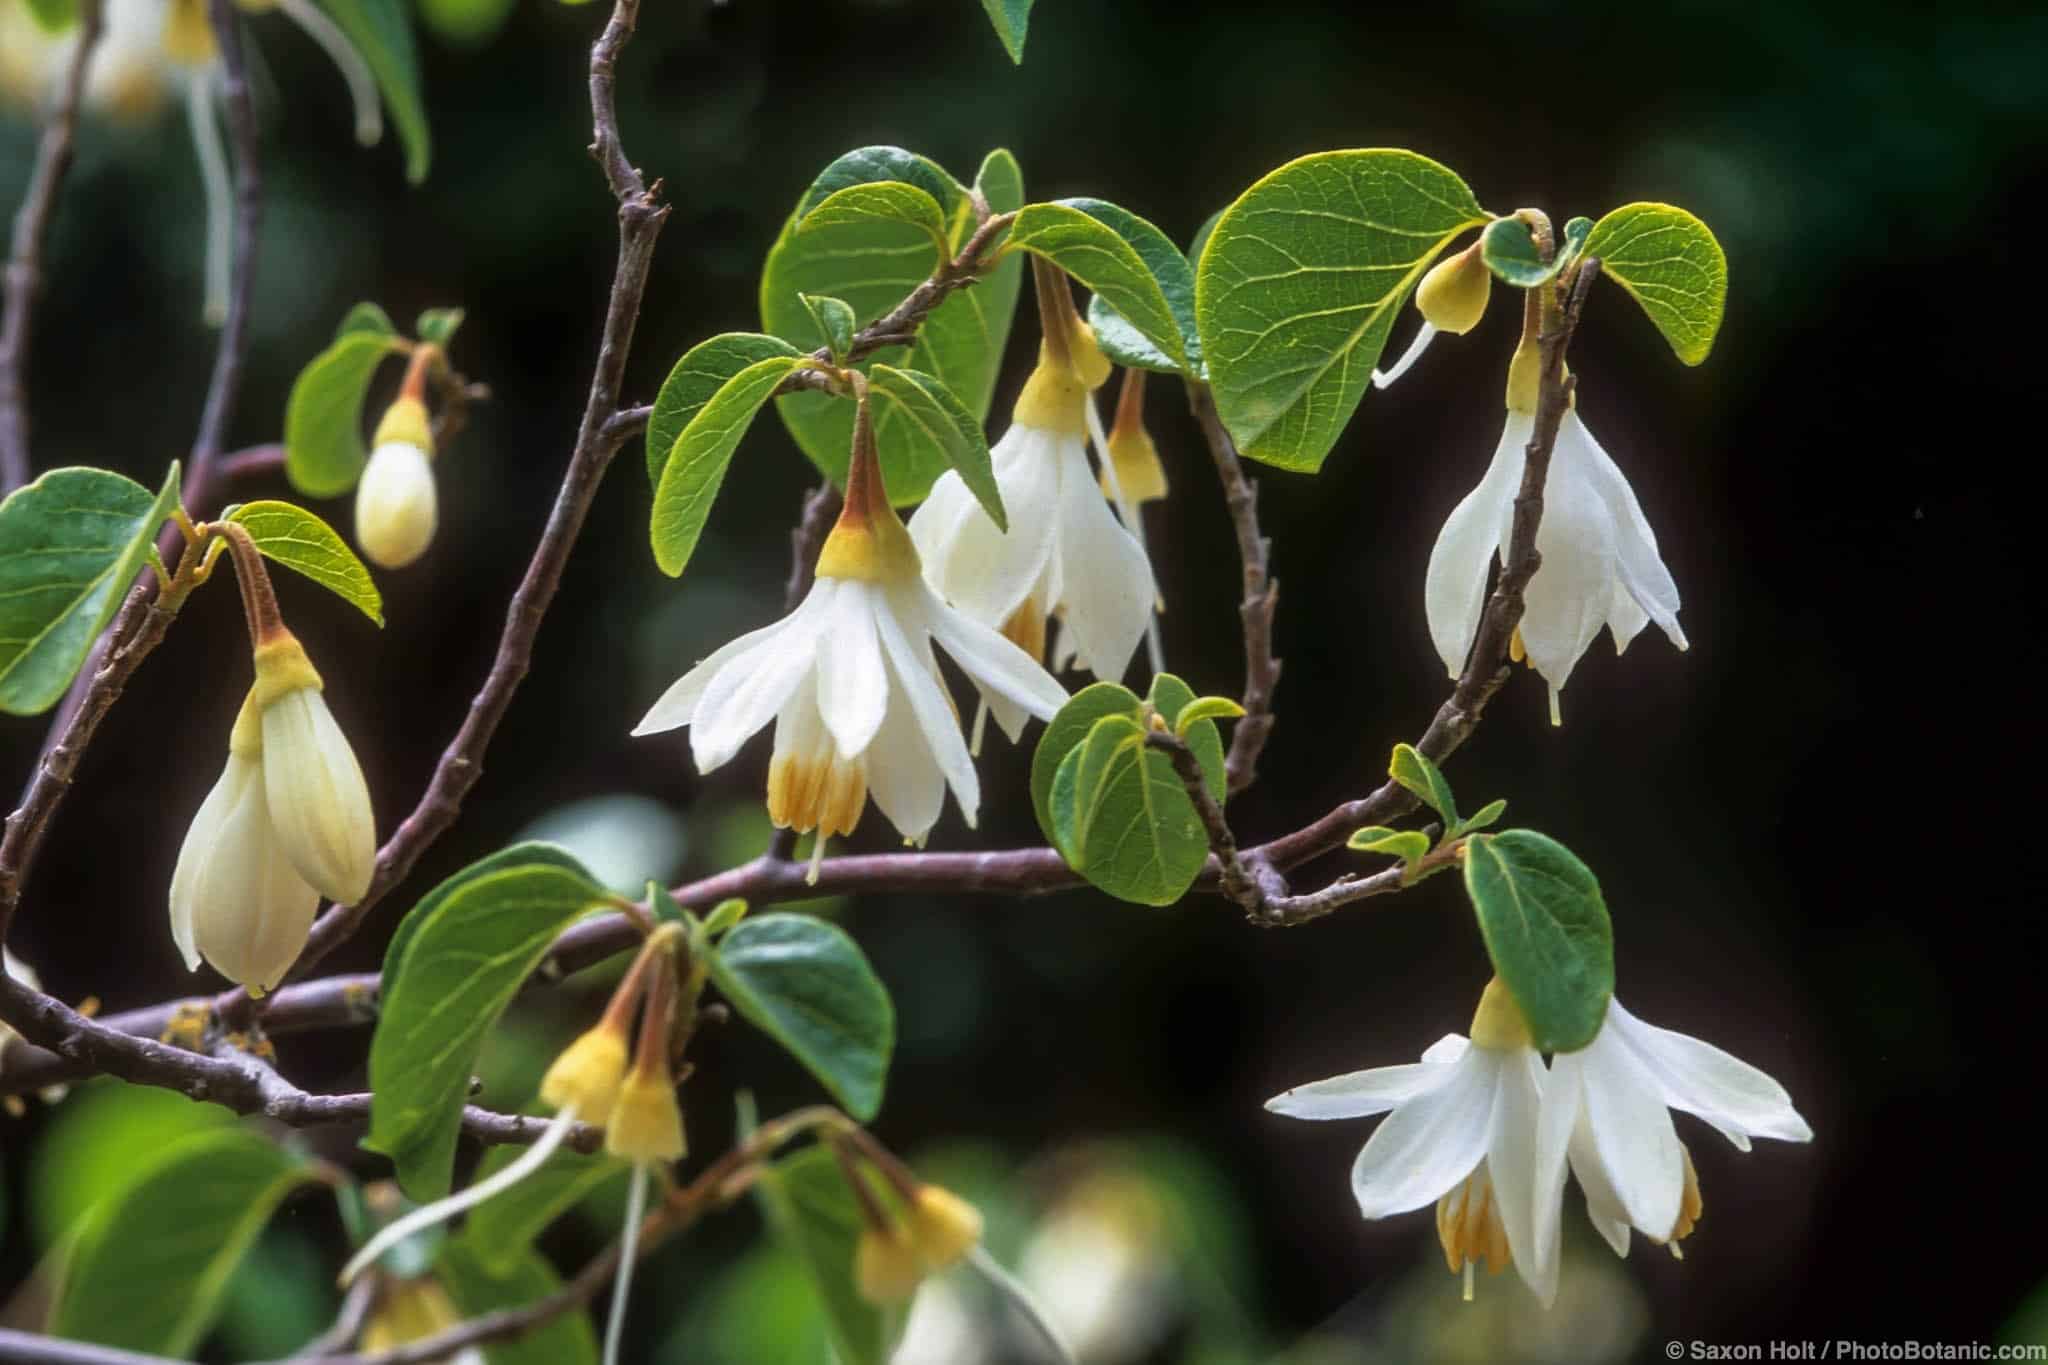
{"x":235,"y":896}
{"x":319,"y":804}
{"x":395,"y":505}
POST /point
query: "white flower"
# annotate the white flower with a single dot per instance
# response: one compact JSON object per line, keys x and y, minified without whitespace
{"x":1606,"y":1111}
{"x":288,"y":822}
{"x":1461,"y":1130}
{"x":1600,"y":561}
{"x":851,"y":683}
{"x":395,"y":505}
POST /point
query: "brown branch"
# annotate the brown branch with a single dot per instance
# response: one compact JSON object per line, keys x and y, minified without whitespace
{"x":25,"y":261}
{"x":641,"y":216}
{"x":349,"y":1321}
{"x":1261,"y":594}
{"x":29,"y":1348}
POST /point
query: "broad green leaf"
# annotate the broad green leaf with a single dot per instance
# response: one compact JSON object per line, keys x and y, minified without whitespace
{"x":437,"y":326}
{"x":807,"y":985}
{"x":455,"y":963}
{"x":1205,"y":708}
{"x":1547,"y":931}
{"x":835,"y":324}
{"x":701,"y":373}
{"x":921,"y":404}
{"x":1671,"y":264}
{"x":884,"y":201}
{"x":1509,"y":250}
{"x":1487,"y":815}
{"x":1405,"y":844}
{"x":366,"y":317}
{"x":872,"y":266}
{"x":156,"y":1255}
{"x":57,"y":16}
{"x":502,"y":1229}
{"x":1299,"y":285}
{"x":1010,"y":19}
{"x":479,"y":1286}
{"x":1171,"y":698}
{"x":381,"y":33}
{"x":812,"y":1214}
{"x":696,"y":469}
{"x":1095,"y":253}
{"x":1425,"y":780}
{"x":323,"y":418}
{"x":70,"y":544}
{"x":1068,"y":729}
{"x":1176,"y":281}
{"x":1083,"y":780}
{"x":299,"y":540}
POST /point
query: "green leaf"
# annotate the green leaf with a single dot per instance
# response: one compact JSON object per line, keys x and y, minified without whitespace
{"x":1171,"y":698}
{"x":437,"y":325}
{"x":1488,"y":813}
{"x":1065,"y":731}
{"x":807,"y":985}
{"x":812,"y":1215}
{"x":1547,"y":931}
{"x":323,"y":418}
{"x":872,"y":266}
{"x":1010,"y":18}
{"x":502,"y":1229}
{"x":479,"y":1287}
{"x":299,"y":540}
{"x":1509,"y":249}
{"x":1206,"y":708}
{"x":835,"y":324}
{"x":1176,"y":281}
{"x":724,"y":916}
{"x":57,"y":16}
{"x":366,"y":317}
{"x":155,"y":1256}
{"x":381,"y":33}
{"x":1299,"y":285}
{"x":1095,"y":253}
{"x":696,"y":468}
{"x":701,"y":373}
{"x":885,"y":201}
{"x":921,"y":404}
{"x":70,"y":544}
{"x":1406,"y":844}
{"x":454,"y":964}
{"x":1425,"y":780}
{"x":1671,"y":264}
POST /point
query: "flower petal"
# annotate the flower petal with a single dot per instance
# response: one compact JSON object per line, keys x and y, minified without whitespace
{"x":1454,"y":592}
{"x":750,"y":689}
{"x":1637,"y":562}
{"x":853,"y":685}
{"x":992,"y":662}
{"x":1563,"y":1102}
{"x":1568,"y":598}
{"x":192,"y":884}
{"x":319,"y":804}
{"x":1511,"y":1162}
{"x":940,"y":521}
{"x":678,"y":706}
{"x":1603,"y":1205}
{"x":1448,"y":1048}
{"x":1430,"y":1143}
{"x":1105,"y":580}
{"x":1738,"y":1099}
{"x":904,"y":779}
{"x":1360,"y":1094}
{"x":987,"y":571}
{"x":1625,"y":618}
{"x":1633,"y":1136}
{"x":913,"y":670}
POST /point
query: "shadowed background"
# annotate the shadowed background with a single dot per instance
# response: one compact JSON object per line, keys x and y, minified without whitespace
{"x":1788,"y":821}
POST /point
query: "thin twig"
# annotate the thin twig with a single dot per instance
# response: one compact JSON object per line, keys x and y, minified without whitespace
{"x":348,"y":1322}
{"x":25,"y":260}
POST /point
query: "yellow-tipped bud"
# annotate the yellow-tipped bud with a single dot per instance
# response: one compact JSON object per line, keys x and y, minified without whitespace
{"x":646,"y":1123}
{"x":1452,"y":296}
{"x":1498,"y":1022}
{"x":886,"y":1267}
{"x":943,"y":1226}
{"x":588,"y":1075}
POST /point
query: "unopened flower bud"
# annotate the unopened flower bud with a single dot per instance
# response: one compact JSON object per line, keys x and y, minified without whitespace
{"x":1452,"y":296}
{"x":646,"y":1123}
{"x":1139,"y":475}
{"x":943,"y":1226}
{"x":396,"y":508}
{"x":588,"y":1074}
{"x":409,"y":1311}
{"x":886,"y":1267}
{"x":318,"y":801}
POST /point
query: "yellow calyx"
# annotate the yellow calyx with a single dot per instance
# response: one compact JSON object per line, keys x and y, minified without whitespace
{"x":1090,"y":363}
{"x":1452,"y":296}
{"x":408,"y":1311}
{"x":1138,"y":470}
{"x":188,"y":36}
{"x":646,"y":1123}
{"x":1054,"y":399}
{"x":281,"y":667}
{"x":886,"y":1267}
{"x":943,"y":1226}
{"x":1525,"y":378}
{"x":589,"y":1074}
{"x":405,"y":421}
{"x":877,"y":551}
{"x":1025,"y":628}
{"x":1498,"y":1022}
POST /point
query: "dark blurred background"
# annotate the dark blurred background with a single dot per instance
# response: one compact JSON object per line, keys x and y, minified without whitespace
{"x":1807,"y":827}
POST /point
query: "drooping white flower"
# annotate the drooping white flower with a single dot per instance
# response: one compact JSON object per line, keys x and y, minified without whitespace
{"x":1600,"y":561}
{"x":395,"y":505}
{"x":1606,"y":1113}
{"x":852,"y":685}
{"x":1461,"y":1131}
{"x":288,"y":822}
{"x":1065,"y":553}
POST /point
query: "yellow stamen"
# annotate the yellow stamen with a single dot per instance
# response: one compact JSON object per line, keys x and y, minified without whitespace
{"x":806,"y":793}
{"x":1026,"y":628}
{"x":1517,"y":651}
{"x":1469,"y":1227}
{"x":1690,"y":1205}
